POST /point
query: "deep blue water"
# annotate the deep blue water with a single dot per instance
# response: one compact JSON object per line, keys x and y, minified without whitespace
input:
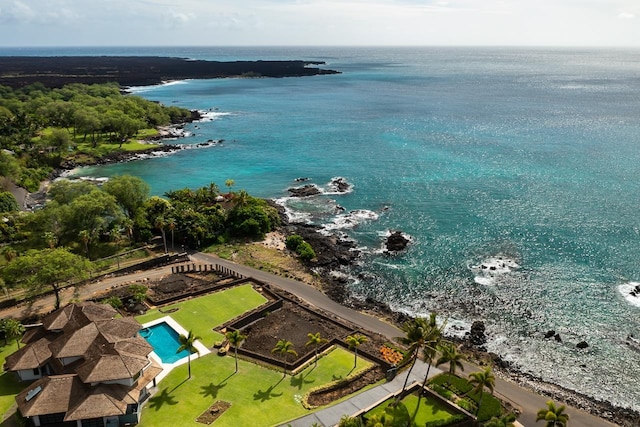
{"x":529,"y":155}
{"x":165,"y":341}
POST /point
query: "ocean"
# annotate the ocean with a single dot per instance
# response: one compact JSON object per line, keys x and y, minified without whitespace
{"x":514,"y":171}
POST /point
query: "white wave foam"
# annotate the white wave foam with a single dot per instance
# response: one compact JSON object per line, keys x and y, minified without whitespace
{"x":350,"y":220}
{"x":631,"y":292}
{"x":337,"y":185}
{"x":209,"y":116}
{"x":142,"y":89}
{"x":491,"y":268}
{"x":292,"y":215}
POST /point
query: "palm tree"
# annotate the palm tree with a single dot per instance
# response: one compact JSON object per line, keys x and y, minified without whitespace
{"x":187,"y":342}
{"x":429,"y":353}
{"x":481,"y":379}
{"x":354,"y":341}
{"x":451,"y":356}
{"x":171,"y":223}
{"x":13,"y":329}
{"x":235,"y":338}
{"x":553,"y":415}
{"x":85,"y":237}
{"x":504,"y":421}
{"x":285,"y":348}
{"x":160,"y":223}
{"x":315,"y":340}
{"x":418,"y":332}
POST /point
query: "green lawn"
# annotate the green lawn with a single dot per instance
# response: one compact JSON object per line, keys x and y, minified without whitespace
{"x":259,"y":396}
{"x":204,"y":313}
{"x":9,"y":384}
{"x":491,"y":406}
{"x":430,"y":411}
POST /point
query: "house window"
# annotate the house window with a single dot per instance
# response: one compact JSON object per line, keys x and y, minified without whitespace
{"x":36,"y":372}
{"x":93,"y":422}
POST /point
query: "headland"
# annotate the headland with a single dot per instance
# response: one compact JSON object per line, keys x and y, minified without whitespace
{"x":57,"y":71}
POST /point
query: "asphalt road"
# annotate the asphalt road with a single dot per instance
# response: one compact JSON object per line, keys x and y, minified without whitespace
{"x":526,"y":401}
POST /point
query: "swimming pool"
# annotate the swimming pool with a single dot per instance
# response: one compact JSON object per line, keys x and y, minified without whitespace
{"x":165,"y":341}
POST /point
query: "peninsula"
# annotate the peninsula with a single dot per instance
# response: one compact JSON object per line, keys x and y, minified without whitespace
{"x":57,"y":71}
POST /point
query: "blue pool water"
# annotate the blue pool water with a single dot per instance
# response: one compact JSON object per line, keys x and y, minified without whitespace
{"x":165,"y":341}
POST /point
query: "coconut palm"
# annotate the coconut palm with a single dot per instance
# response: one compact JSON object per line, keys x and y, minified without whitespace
{"x":187,"y":342}
{"x":85,"y":237}
{"x":480,"y":380}
{"x":429,"y":351}
{"x":451,"y":356}
{"x":354,"y":341}
{"x":285,"y":348}
{"x":13,"y":329}
{"x":553,"y":416}
{"x":171,"y":223}
{"x":418,"y":332}
{"x":315,"y":340}
{"x":503,"y":421}
{"x":235,"y":338}
{"x":160,"y":224}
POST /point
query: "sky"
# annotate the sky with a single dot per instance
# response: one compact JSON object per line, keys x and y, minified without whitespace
{"x":319,"y":23}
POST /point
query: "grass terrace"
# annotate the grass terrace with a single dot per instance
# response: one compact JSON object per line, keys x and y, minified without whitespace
{"x":255,"y":392}
{"x":9,"y":384}
{"x":430,"y":413}
{"x":458,"y":390}
{"x":204,"y":313}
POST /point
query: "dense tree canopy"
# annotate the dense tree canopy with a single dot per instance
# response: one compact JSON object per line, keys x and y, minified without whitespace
{"x":39,"y":269}
{"x":41,"y":127}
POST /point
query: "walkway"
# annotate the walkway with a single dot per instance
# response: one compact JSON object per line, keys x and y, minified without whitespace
{"x":526,"y":401}
{"x":331,"y":416}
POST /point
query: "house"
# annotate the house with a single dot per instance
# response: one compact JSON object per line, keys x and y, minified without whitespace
{"x":89,"y":369}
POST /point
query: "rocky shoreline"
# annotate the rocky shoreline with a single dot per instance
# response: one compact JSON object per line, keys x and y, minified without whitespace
{"x":334,"y":252}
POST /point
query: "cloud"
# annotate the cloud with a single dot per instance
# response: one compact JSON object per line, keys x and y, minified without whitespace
{"x":626,"y":15}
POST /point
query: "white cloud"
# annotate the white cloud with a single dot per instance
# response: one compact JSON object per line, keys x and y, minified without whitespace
{"x":319,"y":22}
{"x":626,"y":15}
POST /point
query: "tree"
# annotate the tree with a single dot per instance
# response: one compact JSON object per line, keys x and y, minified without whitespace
{"x":553,"y":416}
{"x":503,"y":421}
{"x":171,"y":223}
{"x":451,"y":356}
{"x":229,"y":183}
{"x":8,"y":202}
{"x":187,"y":342}
{"x":354,"y":341}
{"x":315,"y":340}
{"x":285,"y":348}
{"x":417,"y":332}
{"x":13,"y":329}
{"x":429,"y":351}
{"x":37,"y":269}
{"x":235,"y":338}
{"x":130,"y":192}
{"x":160,"y":223}
{"x":480,"y":380}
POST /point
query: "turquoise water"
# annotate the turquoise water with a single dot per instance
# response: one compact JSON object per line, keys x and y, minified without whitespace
{"x":522,"y":157}
{"x":165,"y":341}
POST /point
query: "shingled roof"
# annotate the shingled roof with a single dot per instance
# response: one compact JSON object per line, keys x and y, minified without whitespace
{"x":108,"y":349}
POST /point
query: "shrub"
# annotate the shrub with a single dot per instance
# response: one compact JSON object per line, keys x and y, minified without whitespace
{"x":113,"y":301}
{"x":293,"y":242}
{"x":8,"y":202}
{"x":138,"y":292}
{"x":305,"y":251}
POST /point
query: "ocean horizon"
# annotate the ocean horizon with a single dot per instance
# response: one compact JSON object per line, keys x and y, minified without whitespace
{"x":514,"y":171}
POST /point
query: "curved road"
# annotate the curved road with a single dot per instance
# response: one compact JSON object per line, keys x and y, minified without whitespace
{"x":526,"y":401}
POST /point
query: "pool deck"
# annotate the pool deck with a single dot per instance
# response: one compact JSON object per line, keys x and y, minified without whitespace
{"x":167,"y":367}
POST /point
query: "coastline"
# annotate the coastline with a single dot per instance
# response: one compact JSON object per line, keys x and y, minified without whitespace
{"x":335,"y":251}
{"x":335,"y":288}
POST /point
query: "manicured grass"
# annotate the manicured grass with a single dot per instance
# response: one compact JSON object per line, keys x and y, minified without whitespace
{"x":259,"y":396}
{"x":204,"y":313}
{"x":491,"y":406}
{"x":9,"y":384}
{"x":430,"y":410}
